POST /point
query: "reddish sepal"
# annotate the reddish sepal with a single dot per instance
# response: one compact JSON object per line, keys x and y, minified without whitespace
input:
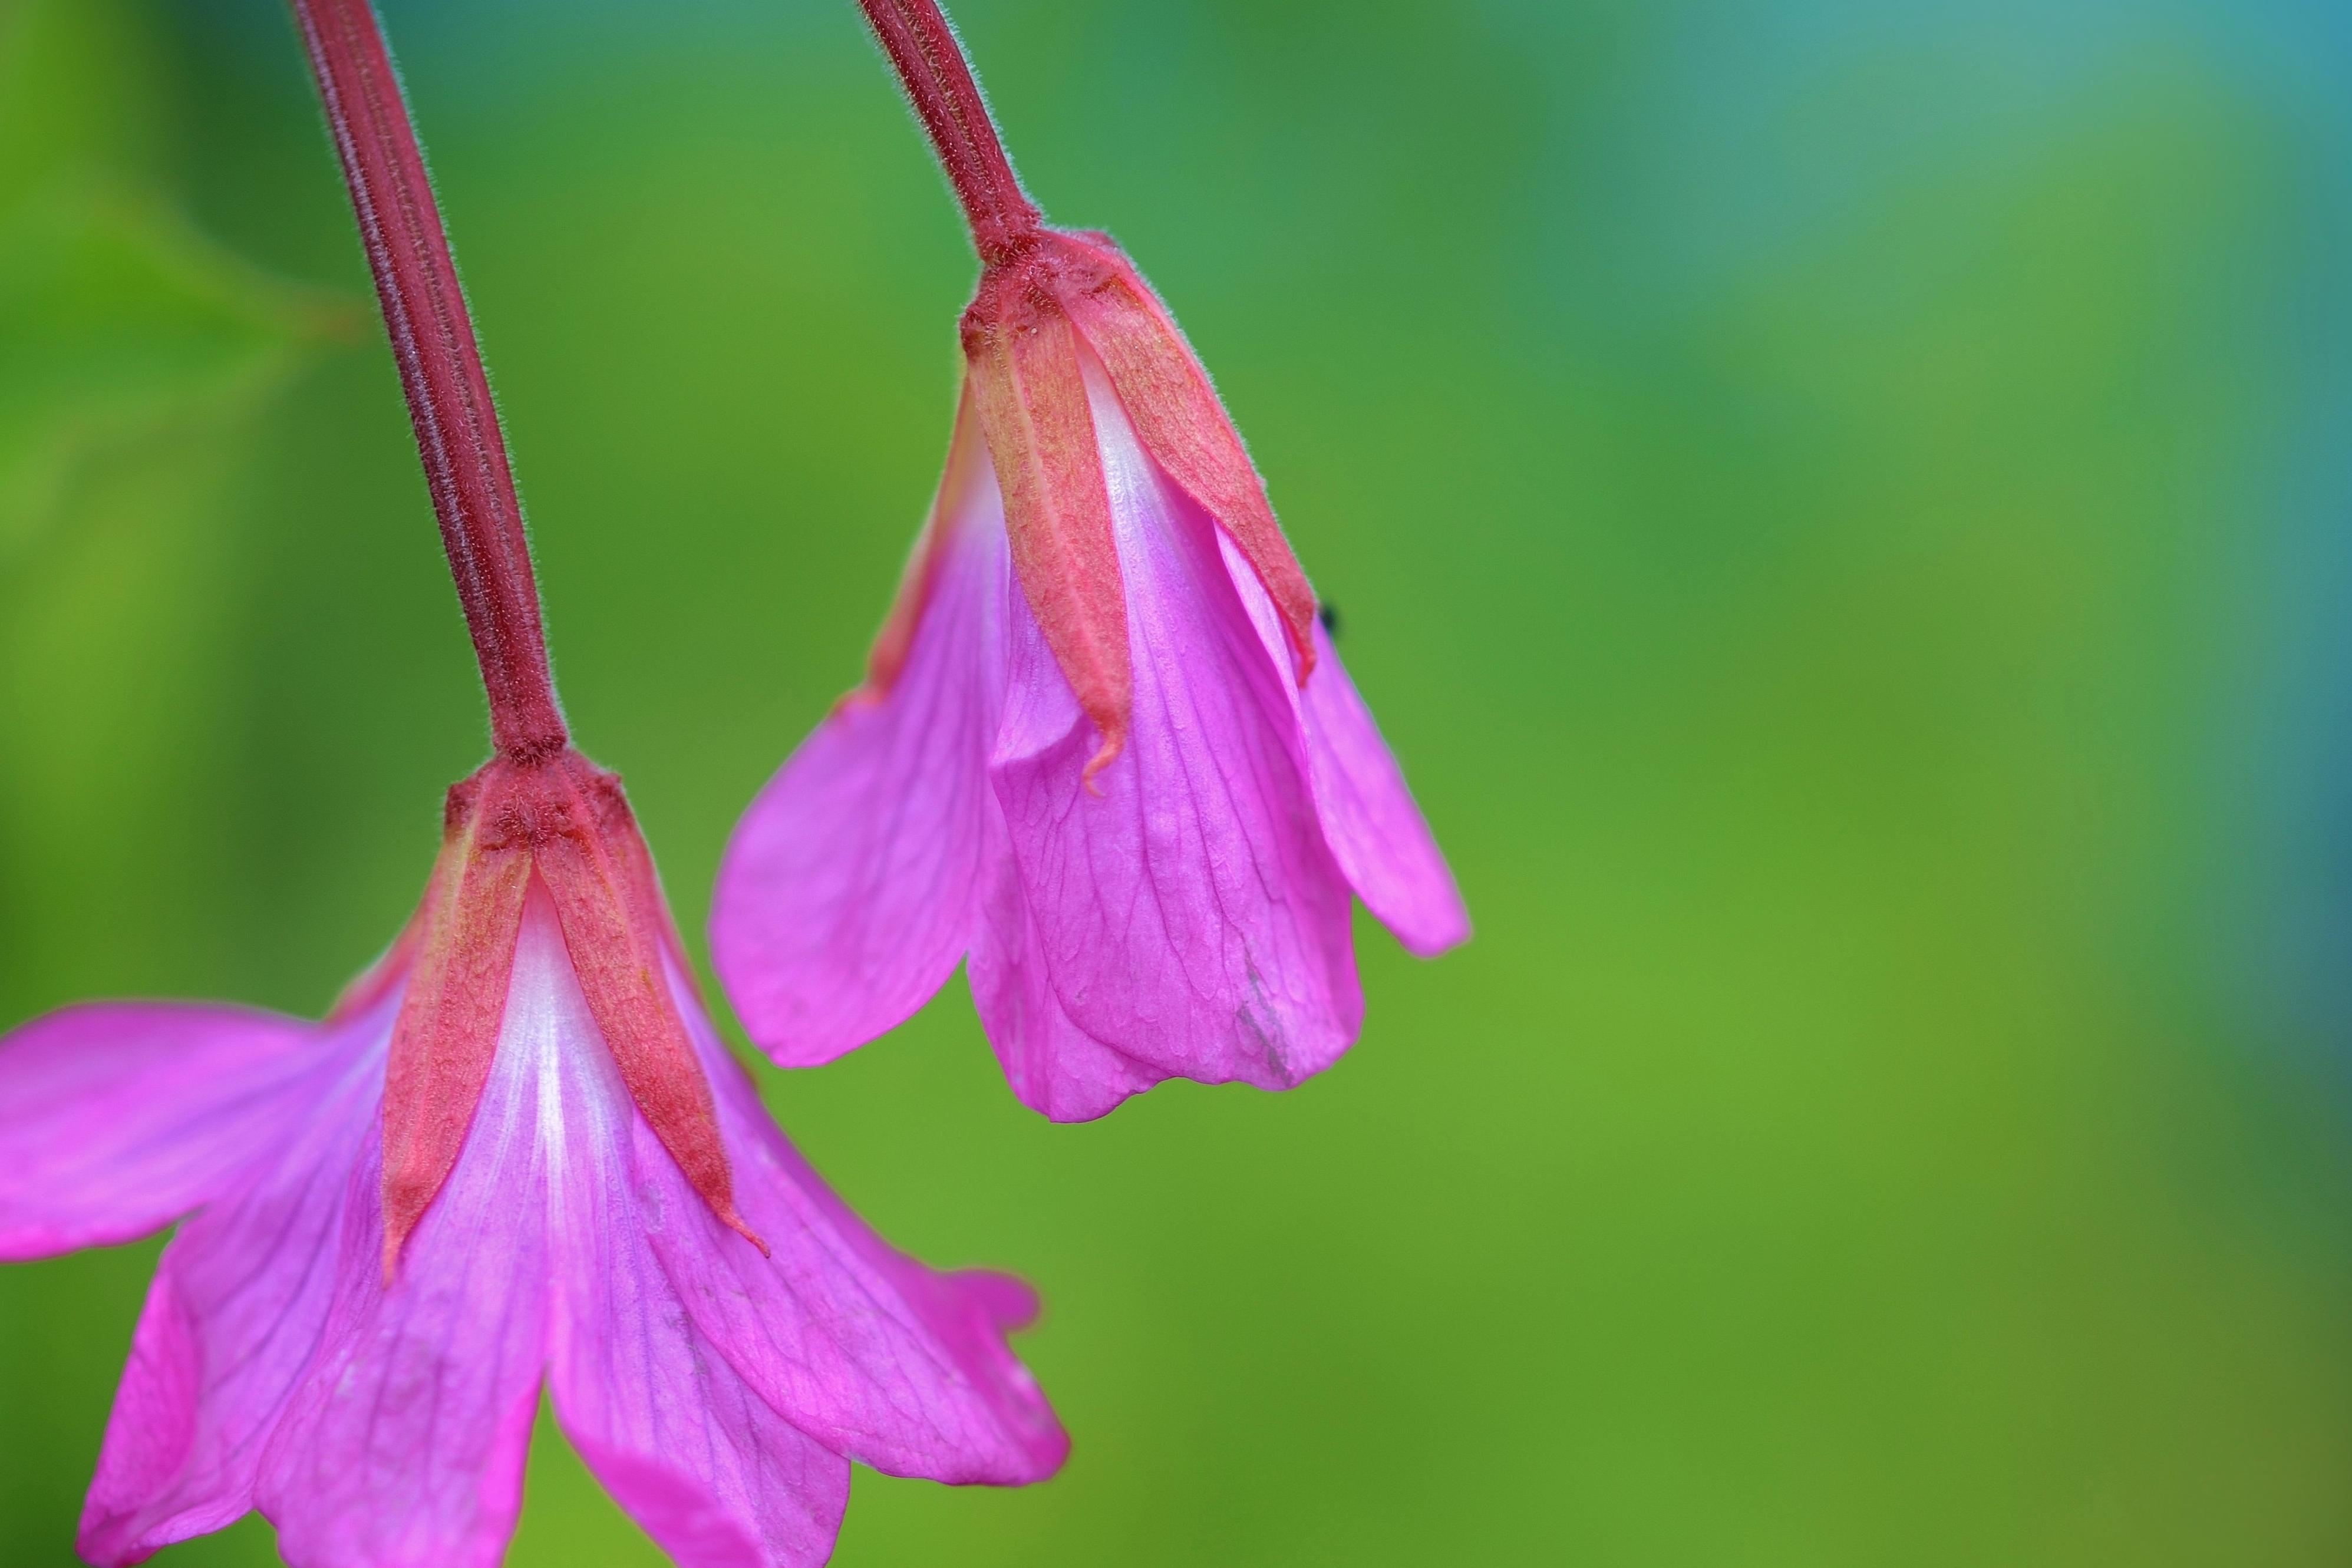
{"x":617,"y":946}
{"x":448,"y":1032}
{"x":1029,"y":389}
{"x":567,"y":822}
{"x":1179,"y":417}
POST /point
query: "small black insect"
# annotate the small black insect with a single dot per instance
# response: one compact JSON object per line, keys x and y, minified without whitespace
{"x":1328,"y":613}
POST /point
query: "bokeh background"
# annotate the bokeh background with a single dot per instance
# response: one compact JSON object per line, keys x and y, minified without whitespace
{"x":1845,"y":511}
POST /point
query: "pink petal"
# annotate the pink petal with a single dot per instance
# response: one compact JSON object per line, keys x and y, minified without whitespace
{"x":404,"y":1446}
{"x":862,"y":1348}
{"x":1055,"y":1068}
{"x":234,"y":1317}
{"x":1369,"y":819}
{"x":116,"y":1120}
{"x":1185,"y":907}
{"x":695,"y":1456}
{"x":1008,"y":1301}
{"x":744,"y":1489}
{"x":848,"y":894}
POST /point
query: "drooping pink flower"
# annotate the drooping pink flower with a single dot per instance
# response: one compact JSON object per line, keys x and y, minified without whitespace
{"x":719,"y":1391}
{"x":516,"y":1158}
{"x":1105,"y":752}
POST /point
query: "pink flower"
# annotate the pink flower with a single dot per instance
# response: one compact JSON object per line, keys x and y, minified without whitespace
{"x":517,"y":1156}
{"x":719,"y":1391}
{"x":1105,"y":752}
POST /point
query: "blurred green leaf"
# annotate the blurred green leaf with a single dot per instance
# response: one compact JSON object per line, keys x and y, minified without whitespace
{"x":81,"y":89}
{"x":121,"y":328}
{"x":135,"y":355}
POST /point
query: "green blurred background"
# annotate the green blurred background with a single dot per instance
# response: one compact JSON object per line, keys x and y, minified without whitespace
{"x":1843,"y":509}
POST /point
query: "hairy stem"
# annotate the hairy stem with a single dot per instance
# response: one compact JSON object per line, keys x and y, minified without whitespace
{"x":931,"y":63}
{"x":449,"y":401}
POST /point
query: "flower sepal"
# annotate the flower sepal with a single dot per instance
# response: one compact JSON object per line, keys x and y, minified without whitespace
{"x":565,"y":823}
{"x":1053,"y":302}
{"x":1166,"y":393}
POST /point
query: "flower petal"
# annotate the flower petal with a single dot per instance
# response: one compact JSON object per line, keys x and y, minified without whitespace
{"x":1369,"y":818}
{"x":741,"y":1489}
{"x":865,"y":1350}
{"x":848,"y":892}
{"x":234,"y":1318}
{"x":116,"y":1120}
{"x":714,"y":1474}
{"x":1187,"y":909}
{"x":404,"y":1446}
{"x":1055,"y":1068}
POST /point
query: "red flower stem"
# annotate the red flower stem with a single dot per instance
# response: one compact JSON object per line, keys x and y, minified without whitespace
{"x":931,"y":63}
{"x":449,"y":401}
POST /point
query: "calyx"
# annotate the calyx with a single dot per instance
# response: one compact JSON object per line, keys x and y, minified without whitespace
{"x":1046,"y":304}
{"x":564,"y":822}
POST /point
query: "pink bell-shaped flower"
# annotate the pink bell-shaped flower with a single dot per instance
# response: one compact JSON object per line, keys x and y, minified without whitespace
{"x":1105,"y":752}
{"x":516,"y":1157}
